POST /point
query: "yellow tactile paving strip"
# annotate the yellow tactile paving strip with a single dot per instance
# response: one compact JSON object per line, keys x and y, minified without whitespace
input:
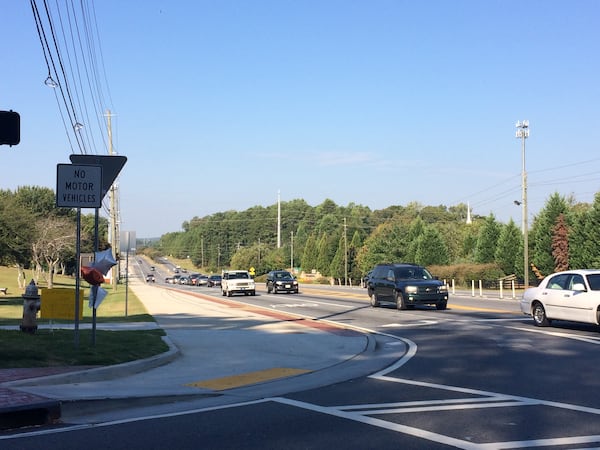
{"x":245,"y":379}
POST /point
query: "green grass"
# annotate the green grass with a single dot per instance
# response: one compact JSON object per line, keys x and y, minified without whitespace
{"x":48,"y":348}
{"x":57,"y":348}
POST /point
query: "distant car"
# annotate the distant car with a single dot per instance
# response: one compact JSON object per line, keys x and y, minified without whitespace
{"x":150,"y":278}
{"x":237,"y":282}
{"x":281,"y":281}
{"x":152,"y":268}
{"x":202,"y":280}
{"x":214,"y":280}
{"x":193,"y":278}
{"x":184,"y":280}
{"x":174,"y":279}
{"x":572,"y":295}
{"x":406,"y":285}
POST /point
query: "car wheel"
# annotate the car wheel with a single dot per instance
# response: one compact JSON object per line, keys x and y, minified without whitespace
{"x":274,"y":290}
{"x":223,"y":293}
{"x":269,"y":289}
{"x":229,"y":293}
{"x":374,"y":300}
{"x":400,"y":303}
{"x":539,"y":315}
{"x":441,"y":306}
{"x":252,"y":293}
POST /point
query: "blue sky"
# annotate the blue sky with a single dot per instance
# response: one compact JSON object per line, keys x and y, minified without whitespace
{"x":218,"y":105}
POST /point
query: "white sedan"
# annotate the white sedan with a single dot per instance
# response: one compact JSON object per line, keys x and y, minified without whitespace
{"x":572,"y":295}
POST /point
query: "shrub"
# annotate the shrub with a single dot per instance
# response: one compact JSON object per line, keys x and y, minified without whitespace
{"x":462,"y":274}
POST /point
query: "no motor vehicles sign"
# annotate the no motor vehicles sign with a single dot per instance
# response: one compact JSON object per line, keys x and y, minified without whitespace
{"x":78,"y":186}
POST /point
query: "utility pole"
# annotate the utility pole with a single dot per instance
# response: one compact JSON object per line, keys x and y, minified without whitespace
{"x":113,"y":210}
{"x":523,"y":133}
{"x":278,"y":219}
{"x":292,"y":251}
{"x":345,"y":254}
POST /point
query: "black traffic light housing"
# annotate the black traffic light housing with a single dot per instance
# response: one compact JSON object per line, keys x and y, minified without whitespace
{"x":10,"y":128}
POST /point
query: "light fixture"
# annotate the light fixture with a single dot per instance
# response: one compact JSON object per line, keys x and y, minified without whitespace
{"x":50,"y":82}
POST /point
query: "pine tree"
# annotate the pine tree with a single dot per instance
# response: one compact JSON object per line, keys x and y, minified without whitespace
{"x":431,"y":249}
{"x":487,"y":240}
{"x":509,"y":248}
{"x":560,"y":244}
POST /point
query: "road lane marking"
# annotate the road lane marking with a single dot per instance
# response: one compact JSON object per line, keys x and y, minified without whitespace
{"x":588,"y":339}
{"x":419,"y":323}
{"x":246,"y":379}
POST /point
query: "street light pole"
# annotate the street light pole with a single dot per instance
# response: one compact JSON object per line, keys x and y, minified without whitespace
{"x":523,"y":133}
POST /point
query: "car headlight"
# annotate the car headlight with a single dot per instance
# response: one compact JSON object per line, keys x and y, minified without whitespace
{"x":443,"y":289}
{"x":410,"y":289}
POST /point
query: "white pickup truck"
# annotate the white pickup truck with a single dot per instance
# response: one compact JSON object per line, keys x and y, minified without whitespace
{"x":237,"y":282}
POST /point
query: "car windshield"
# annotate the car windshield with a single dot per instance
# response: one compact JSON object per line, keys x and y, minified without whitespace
{"x":283,"y":275}
{"x":239,"y":275}
{"x":412,"y":273}
{"x":594,"y":281}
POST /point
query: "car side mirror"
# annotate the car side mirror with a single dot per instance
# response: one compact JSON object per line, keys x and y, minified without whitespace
{"x":579,"y":287}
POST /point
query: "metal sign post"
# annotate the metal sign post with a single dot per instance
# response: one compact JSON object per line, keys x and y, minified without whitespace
{"x":78,"y":187}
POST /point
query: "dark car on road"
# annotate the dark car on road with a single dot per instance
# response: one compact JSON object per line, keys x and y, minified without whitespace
{"x":150,"y":278}
{"x":406,"y":285}
{"x":214,"y":280}
{"x":281,"y":281}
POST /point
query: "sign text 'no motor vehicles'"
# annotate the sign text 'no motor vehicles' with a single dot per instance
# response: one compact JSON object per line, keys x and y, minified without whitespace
{"x":78,"y":186}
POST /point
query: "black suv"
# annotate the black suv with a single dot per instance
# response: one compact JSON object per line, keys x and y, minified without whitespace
{"x":406,"y":285}
{"x":281,"y":281}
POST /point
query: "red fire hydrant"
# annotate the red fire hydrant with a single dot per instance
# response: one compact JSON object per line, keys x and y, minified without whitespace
{"x":31,"y":306}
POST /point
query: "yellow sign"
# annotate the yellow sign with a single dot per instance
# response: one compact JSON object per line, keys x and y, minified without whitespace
{"x":59,"y":303}
{"x":252,"y":271}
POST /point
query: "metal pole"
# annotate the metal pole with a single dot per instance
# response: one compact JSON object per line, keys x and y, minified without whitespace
{"x":523,"y":133}
{"x":525,"y":225}
{"x":95,"y":288}
{"x":127,"y":276}
{"x":77,"y":276}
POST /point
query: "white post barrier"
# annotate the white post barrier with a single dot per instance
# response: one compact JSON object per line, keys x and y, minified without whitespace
{"x":473,"y":288}
{"x":501,"y":286}
{"x":480,"y":288}
{"x":512,"y":283}
{"x":453,"y":287}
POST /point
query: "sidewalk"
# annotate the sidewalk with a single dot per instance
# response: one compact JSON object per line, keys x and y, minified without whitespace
{"x":228,"y":350}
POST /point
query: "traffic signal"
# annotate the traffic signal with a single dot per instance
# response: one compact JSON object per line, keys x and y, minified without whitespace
{"x":10,"y":128}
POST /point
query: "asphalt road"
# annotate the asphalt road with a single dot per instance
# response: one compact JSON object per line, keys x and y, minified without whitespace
{"x":478,"y":375}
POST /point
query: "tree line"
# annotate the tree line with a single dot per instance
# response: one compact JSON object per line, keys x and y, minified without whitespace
{"x":36,"y":235}
{"x":345,"y":242}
